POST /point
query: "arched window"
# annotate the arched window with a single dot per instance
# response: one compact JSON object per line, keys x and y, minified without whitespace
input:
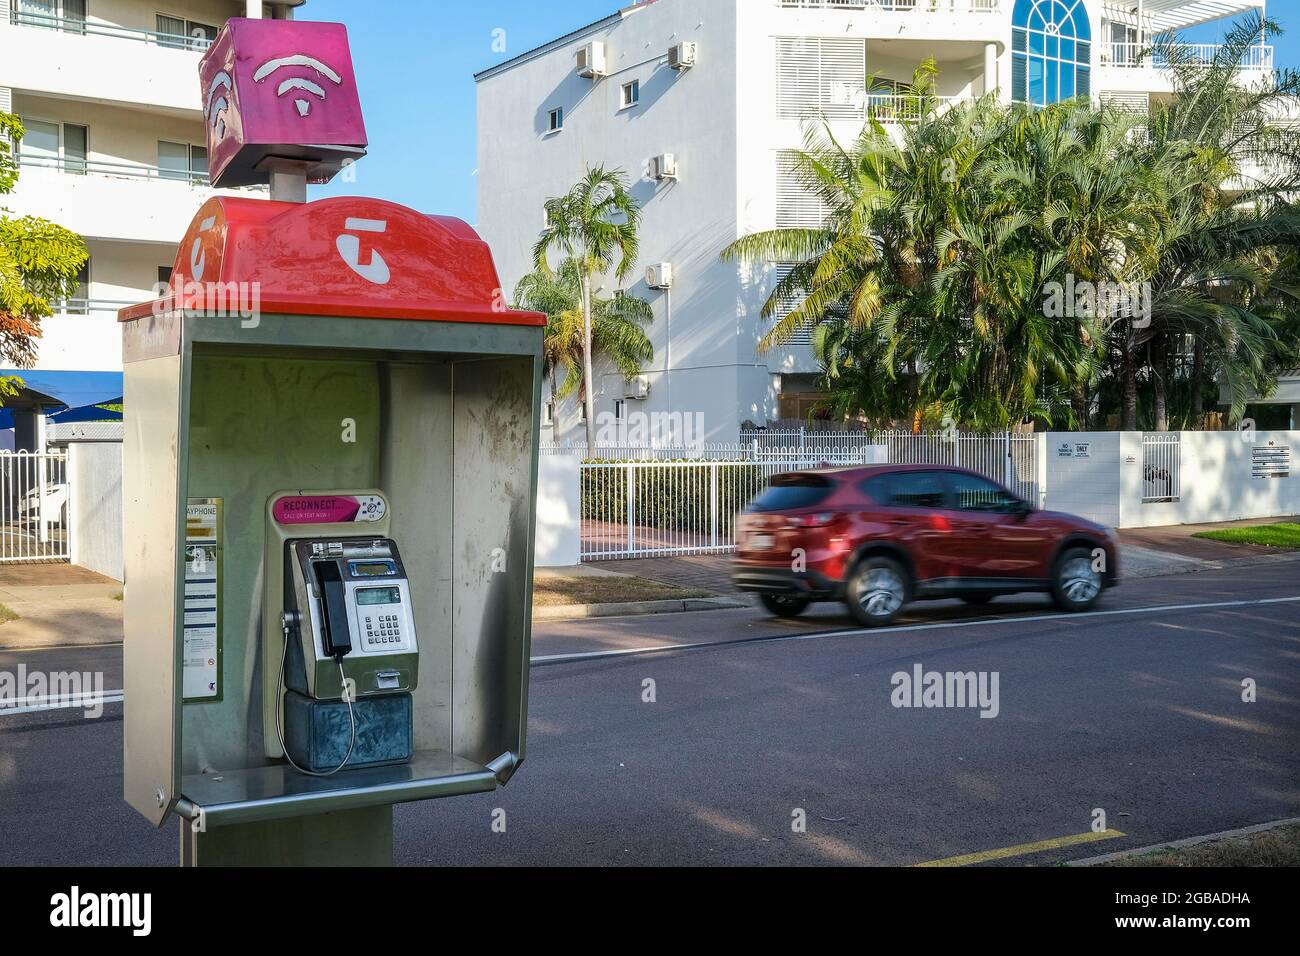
{"x":1051,"y":51}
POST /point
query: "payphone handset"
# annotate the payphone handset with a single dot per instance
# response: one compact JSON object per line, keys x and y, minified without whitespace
{"x":348,"y":601}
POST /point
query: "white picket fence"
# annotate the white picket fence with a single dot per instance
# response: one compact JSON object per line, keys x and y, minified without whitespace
{"x":34,"y":502}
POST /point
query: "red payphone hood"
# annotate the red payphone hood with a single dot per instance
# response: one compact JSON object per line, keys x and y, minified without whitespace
{"x":337,"y":257}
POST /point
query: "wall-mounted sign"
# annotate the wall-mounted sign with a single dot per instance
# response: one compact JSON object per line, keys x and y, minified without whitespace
{"x":1270,"y":461}
{"x":1076,"y":449}
{"x":201,"y":673}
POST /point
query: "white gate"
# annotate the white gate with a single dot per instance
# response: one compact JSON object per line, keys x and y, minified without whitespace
{"x":1162,"y":459}
{"x":33,"y":507}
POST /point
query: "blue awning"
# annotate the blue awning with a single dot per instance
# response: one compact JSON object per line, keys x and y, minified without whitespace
{"x":65,"y":389}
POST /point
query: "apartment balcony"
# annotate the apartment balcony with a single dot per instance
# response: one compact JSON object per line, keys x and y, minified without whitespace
{"x":900,"y":6}
{"x":1139,"y":68}
{"x":899,"y":108}
{"x":105,"y":200}
{"x":98,"y":62}
{"x":919,"y":21}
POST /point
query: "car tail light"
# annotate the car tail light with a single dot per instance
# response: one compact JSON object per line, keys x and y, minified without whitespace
{"x":819,"y":520}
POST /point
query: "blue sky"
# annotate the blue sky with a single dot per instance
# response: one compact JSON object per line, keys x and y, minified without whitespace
{"x":416,"y":62}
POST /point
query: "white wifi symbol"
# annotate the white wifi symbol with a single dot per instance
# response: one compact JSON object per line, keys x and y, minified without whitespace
{"x":297,"y":82}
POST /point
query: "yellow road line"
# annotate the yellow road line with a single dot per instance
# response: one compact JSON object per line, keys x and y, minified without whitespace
{"x":1023,"y":849}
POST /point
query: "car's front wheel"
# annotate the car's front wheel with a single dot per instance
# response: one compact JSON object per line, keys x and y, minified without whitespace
{"x":876,"y":591}
{"x":785,"y":605}
{"x":1076,"y":585}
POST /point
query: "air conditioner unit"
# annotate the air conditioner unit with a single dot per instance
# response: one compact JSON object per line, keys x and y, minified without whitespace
{"x":638,"y":388}
{"x":660,"y":276}
{"x":664,"y":167}
{"x":683,"y":55}
{"x":593,"y":62}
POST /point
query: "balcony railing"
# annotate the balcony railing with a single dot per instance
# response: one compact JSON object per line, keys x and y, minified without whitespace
{"x":899,"y":6}
{"x":905,"y":107}
{"x":89,"y":28}
{"x":1139,"y":56}
{"x":82,"y":167}
{"x":88,"y":306}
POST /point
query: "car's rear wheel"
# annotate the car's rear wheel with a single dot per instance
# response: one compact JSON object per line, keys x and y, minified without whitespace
{"x":876,"y":592}
{"x":785,"y":605}
{"x":1076,"y":584}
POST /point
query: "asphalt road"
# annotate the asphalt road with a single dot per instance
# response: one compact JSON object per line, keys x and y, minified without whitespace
{"x":1131,"y":710}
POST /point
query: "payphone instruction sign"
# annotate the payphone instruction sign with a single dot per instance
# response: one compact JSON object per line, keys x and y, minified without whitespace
{"x":201,"y":671}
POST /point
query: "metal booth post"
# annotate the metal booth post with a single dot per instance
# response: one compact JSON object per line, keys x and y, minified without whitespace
{"x":330,"y":464}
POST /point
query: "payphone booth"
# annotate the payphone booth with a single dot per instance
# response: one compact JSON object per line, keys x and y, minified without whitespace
{"x":330,"y":457}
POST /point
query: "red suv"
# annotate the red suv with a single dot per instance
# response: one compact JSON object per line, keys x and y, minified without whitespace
{"x":878,"y":537}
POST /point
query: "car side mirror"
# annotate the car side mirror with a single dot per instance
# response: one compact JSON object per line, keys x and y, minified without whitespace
{"x":1022,"y":509}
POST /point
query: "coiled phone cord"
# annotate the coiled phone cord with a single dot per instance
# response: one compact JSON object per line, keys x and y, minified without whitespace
{"x":279,"y":733}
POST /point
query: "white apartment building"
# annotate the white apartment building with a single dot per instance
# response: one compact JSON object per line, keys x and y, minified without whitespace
{"x":108,"y":91}
{"x":614,"y":93}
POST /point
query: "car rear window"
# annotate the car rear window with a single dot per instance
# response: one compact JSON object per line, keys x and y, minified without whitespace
{"x":788,"y":492}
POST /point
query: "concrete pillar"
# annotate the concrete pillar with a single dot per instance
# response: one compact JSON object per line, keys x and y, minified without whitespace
{"x":990,"y":67}
{"x":253,"y":9}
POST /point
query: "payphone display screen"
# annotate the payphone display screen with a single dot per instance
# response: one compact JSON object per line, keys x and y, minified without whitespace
{"x":379,"y":596}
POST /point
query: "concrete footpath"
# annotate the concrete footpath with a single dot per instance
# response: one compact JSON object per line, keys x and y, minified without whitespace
{"x":59,"y":605}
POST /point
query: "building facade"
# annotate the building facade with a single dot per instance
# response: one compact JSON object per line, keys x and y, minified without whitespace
{"x":114,"y":149}
{"x":721,"y":87}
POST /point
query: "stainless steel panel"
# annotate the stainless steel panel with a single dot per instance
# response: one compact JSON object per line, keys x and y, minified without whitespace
{"x":153,"y":518}
{"x":273,"y":793}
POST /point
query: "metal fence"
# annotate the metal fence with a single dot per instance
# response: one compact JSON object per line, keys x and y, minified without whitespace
{"x":33,"y":507}
{"x":642,"y":509}
{"x":657,"y":502}
{"x":1162,"y":459}
{"x":1007,"y":457}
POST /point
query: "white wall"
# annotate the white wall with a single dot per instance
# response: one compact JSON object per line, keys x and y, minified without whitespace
{"x":1104,"y":483}
{"x":1082,"y":475}
{"x":1216,"y":481}
{"x":95,"y":506}
{"x":559,"y":510}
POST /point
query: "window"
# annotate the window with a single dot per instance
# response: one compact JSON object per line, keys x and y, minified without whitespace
{"x":54,"y":146}
{"x":40,"y":144}
{"x":792,"y":491}
{"x":182,"y":162}
{"x":556,"y":121}
{"x":75,"y":141}
{"x":914,"y":489}
{"x":66,"y":15}
{"x":973,"y":493}
{"x":80,"y":301}
{"x":631,"y":94}
{"x":620,"y":410}
{"x":181,"y":34}
{"x":1051,"y":51}
{"x":164,"y":275}
{"x":548,"y":413}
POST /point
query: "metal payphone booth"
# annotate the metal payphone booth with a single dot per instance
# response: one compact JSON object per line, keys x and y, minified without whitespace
{"x":329,"y":469}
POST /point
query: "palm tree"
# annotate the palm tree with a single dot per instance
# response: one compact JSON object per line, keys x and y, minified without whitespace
{"x":1225,"y":270}
{"x":595,"y":226}
{"x":616,"y":329}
